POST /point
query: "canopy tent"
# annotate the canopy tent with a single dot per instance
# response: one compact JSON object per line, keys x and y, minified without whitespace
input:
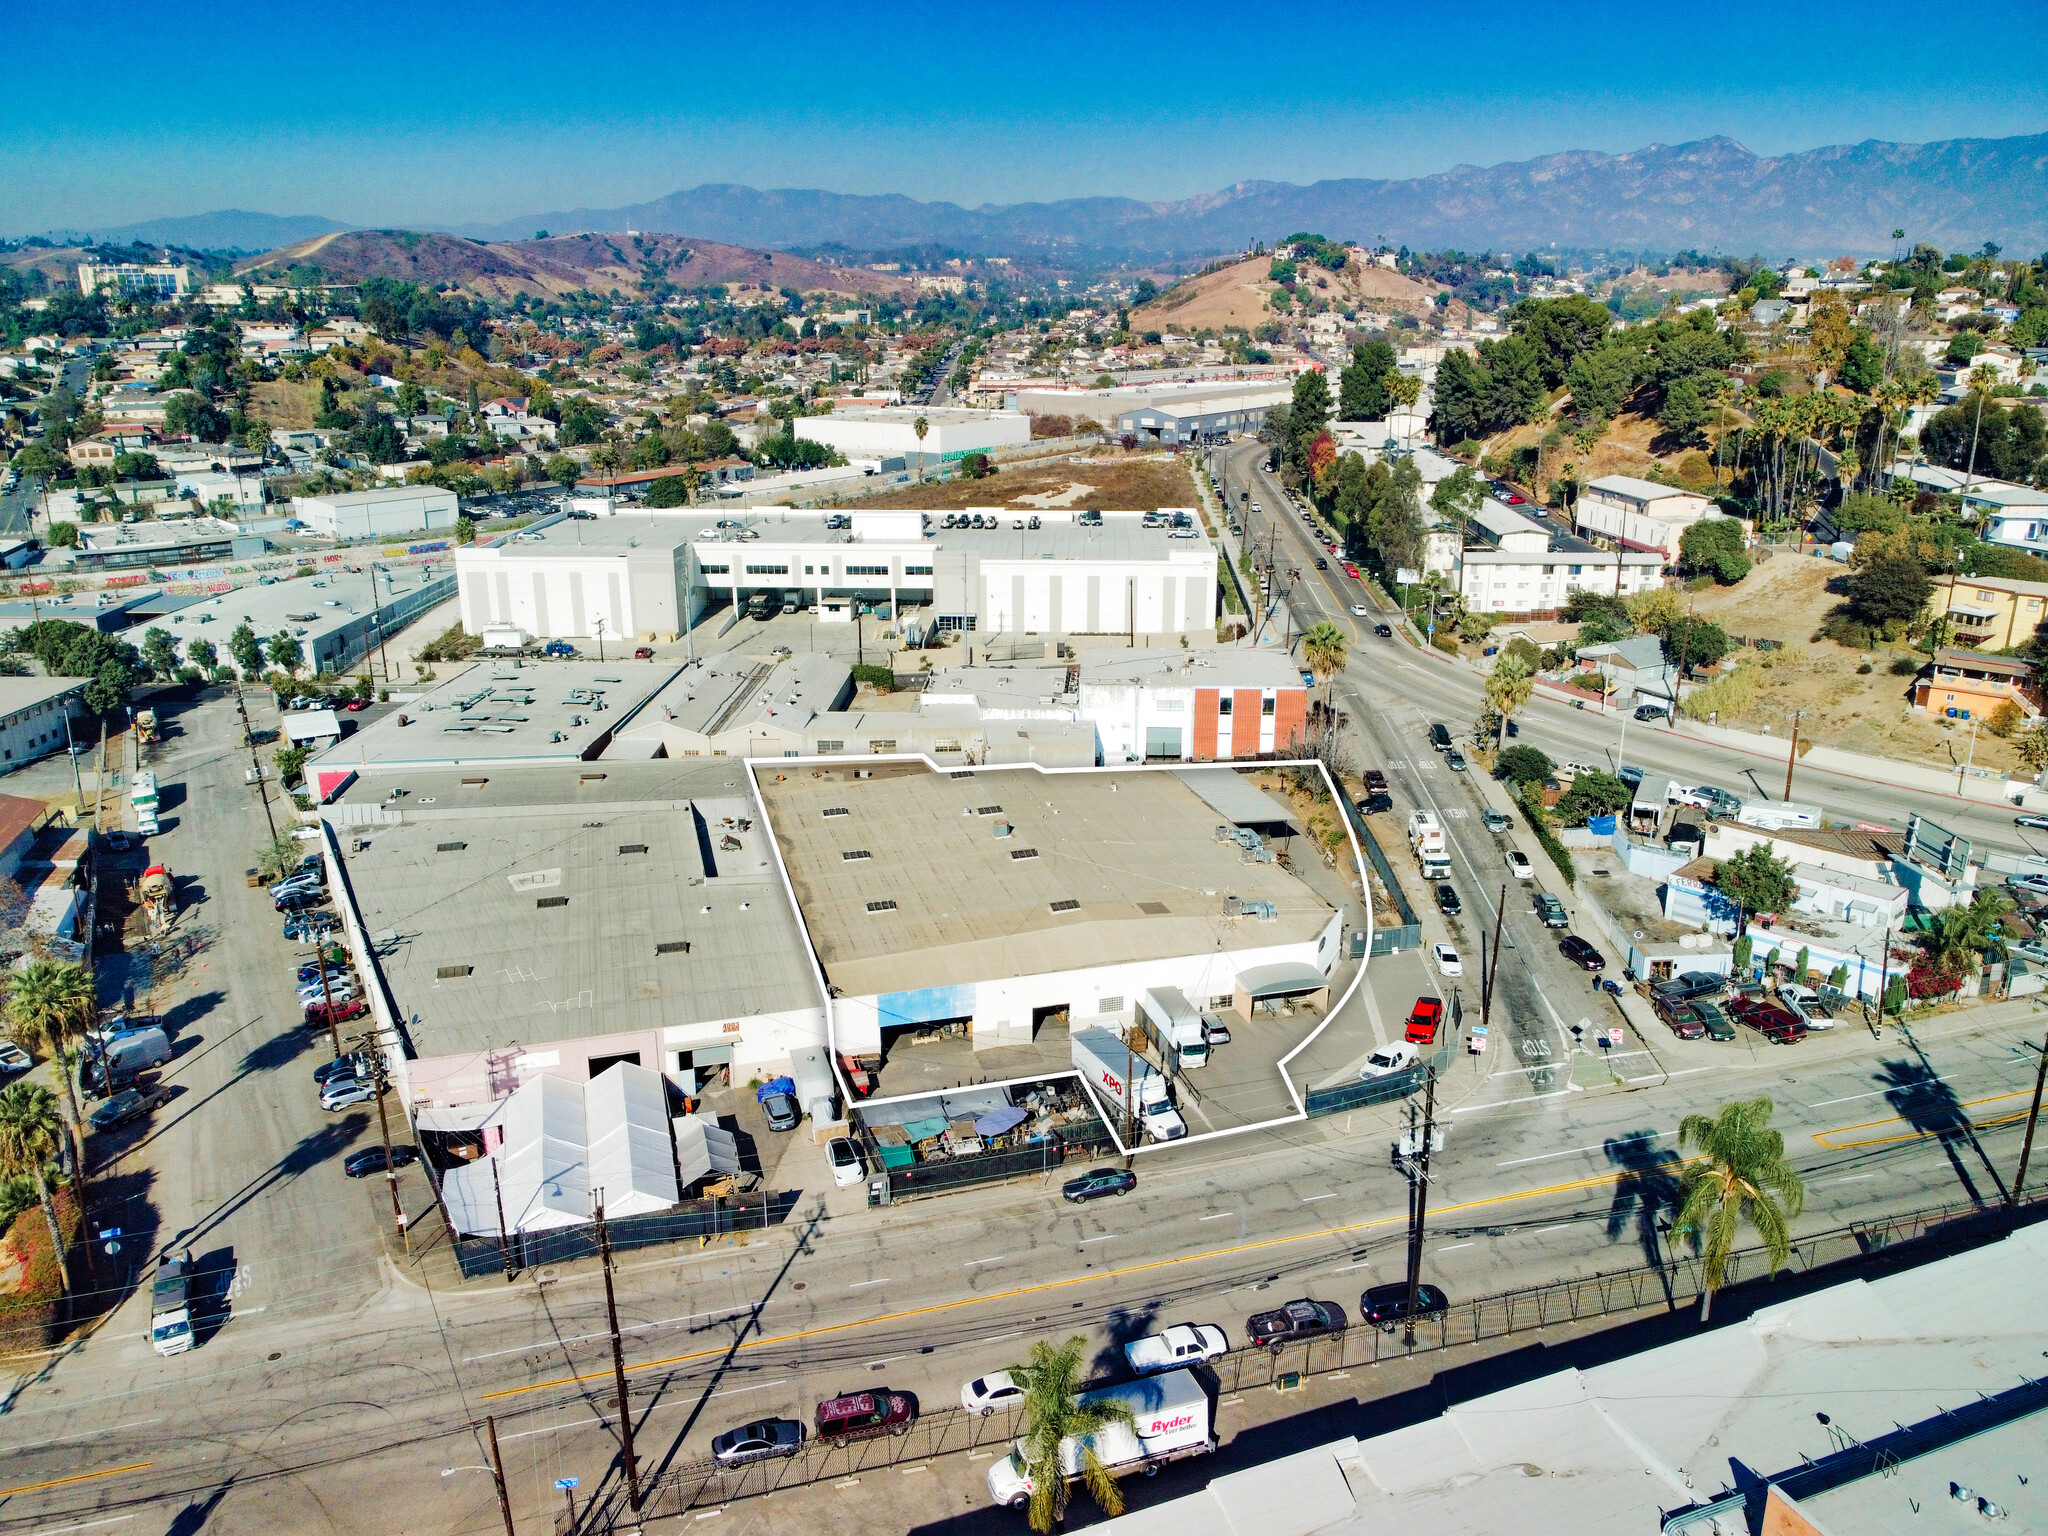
{"x":1268,"y":984}
{"x":1236,"y":798}
{"x":703,"y":1147}
{"x":561,"y":1140}
{"x":631,"y":1160}
{"x":997,"y":1121}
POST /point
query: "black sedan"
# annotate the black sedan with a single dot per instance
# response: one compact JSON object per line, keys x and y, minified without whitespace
{"x":1447,"y":901}
{"x":360,"y":1165}
{"x":1581,"y":954}
{"x":758,"y":1442}
{"x":1097,"y":1182}
{"x":1302,"y":1319}
{"x":1385,"y":1306}
{"x":1384,"y":631}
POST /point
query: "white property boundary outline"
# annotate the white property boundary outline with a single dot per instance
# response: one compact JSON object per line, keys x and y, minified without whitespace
{"x":753,"y":767}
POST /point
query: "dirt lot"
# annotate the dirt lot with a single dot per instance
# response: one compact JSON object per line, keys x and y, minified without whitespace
{"x":1785,"y":598}
{"x":1115,"y":482}
{"x":286,"y":405}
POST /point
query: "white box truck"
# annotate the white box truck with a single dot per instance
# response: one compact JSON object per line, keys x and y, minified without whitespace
{"x":170,"y":1314}
{"x":1432,"y":851}
{"x":1174,"y":1027}
{"x":1777,"y":815}
{"x":143,"y":795}
{"x":1170,"y":1421}
{"x":1128,"y":1085}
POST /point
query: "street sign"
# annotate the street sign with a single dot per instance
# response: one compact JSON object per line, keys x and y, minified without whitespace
{"x":1614,"y":1037}
{"x":112,"y":1249}
{"x":565,"y":1482}
{"x":107,"y":1232}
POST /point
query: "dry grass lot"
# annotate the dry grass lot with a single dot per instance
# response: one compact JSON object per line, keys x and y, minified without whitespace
{"x":1785,"y":598}
{"x":1111,"y":481}
{"x":284,"y":404}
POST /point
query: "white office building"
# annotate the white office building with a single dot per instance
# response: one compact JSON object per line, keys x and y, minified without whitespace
{"x":951,"y":433}
{"x":1511,"y":564}
{"x":1641,"y":514}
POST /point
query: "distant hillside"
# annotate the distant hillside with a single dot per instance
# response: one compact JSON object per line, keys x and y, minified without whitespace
{"x":1240,"y":295}
{"x":1707,"y":194}
{"x":563,"y":264}
{"x":228,"y":230}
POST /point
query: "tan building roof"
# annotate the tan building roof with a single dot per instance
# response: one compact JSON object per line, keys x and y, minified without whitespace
{"x":1133,"y":850}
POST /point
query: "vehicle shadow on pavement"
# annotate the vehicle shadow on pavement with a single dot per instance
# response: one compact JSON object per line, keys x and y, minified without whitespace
{"x":119,"y":1202}
{"x":1123,"y":1324}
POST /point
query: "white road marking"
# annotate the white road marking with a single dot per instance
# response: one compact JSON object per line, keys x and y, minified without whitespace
{"x":1216,"y":1216}
{"x":1470,"y":1109}
{"x":1846,"y":1098}
{"x":1546,"y":1156}
{"x":1312,"y":1199}
{"x":1454,"y":1248}
{"x":859,"y":1284}
{"x":993,"y":1259}
{"x":86,"y":1434}
{"x":58,"y":1530}
{"x":887,"y":1359}
{"x":1107,"y":1236}
{"x":1558,"y":1228}
{"x":582,"y":1338}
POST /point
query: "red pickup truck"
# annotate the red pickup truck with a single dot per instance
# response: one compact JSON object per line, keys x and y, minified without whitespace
{"x":1775,"y":1024}
{"x":1428,"y":1013}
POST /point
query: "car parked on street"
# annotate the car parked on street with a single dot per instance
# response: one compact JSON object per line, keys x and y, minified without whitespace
{"x":1388,"y":1060}
{"x":985,"y":1394}
{"x":758,"y":1441}
{"x":360,"y":1165}
{"x":344,"y":1092}
{"x":340,"y":1013}
{"x":1454,"y":760}
{"x":1552,"y":911}
{"x":1304,"y":1318}
{"x":1098,"y":1182}
{"x":1385,"y":1307}
{"x":129,"y":1104}
{"x":855,"y":1416}
{"x":1581,"y":954}
{"x":1519,"y":865}
{"x":1448,"y":961}
{"x":844,"y":1157}
{"x":1447,"y":901}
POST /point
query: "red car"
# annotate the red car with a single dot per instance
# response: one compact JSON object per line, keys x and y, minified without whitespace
{"x":1427,"y":1014}
{"x":355,"y":704}
{"x":339,"y":1013}
{"x":1775,"y":1024}
{"x":1350,"y":570}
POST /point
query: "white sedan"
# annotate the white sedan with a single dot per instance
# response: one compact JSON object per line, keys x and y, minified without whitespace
{"x":985,"y":1394}
{"x":1519,"y":865}
{"x":1447,"y":961}
{"x":1359,"y":610}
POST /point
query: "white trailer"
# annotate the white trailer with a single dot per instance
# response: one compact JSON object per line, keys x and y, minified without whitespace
{"x":1174,"y":1026}
{"x":1170,"y":1420}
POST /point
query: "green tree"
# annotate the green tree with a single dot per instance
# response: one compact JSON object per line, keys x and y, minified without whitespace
{"x":920,"y":427}
{"x":1743,"y":1175}
{"x":1890,"y":586}
{"x":247,"y":650}
{"x":29,"y":1136}
{"x":1757,"y":878}
{"x":1524,"y":765}
{"x":1599,"y":381}
{"x":1325,"y":649}
{"x":1687,"y":407}
{"x":51,"y":1004}
{"x":291,"y":762}
{"x":561,"y":469}
{"x":187,"y":413}
{"x":285,"y":651}
{"x":160,"y":652}
{"x":1593,"y":794}
{"x":1395,"y":526}
{"x":1307,"y":415}
{"x":1956,"y":937}
{"x":63,"y":535}
{"x":1508,"y":688}
{"x":1053,"y":1415}
{"x":202,"y":655}
{"x":465,"y":529}
{"x":1714,"y":545}
{"x":1458,"y":497}
{"x":1560,"y":330}
{"x":1362,"y":393}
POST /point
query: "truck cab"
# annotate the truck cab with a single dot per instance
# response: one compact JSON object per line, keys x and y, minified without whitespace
{"x":170,"y":1313}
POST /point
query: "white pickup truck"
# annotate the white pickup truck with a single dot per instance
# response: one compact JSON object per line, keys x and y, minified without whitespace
{"x":1182,"y":1344}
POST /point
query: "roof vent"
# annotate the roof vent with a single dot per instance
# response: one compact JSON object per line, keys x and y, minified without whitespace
{"x":625,"y":848}
{"x":449,"y":847}
{"x":1066,"y":906}
{"x":881,"y":906}
{"x":449,"y":972}
{"x":988,"y":810}
{"x":1023,"y":853}
{"x":551,"y":901}
{"x":835,"y":810}
{"x":852,"y":854}
{"x":676,"y":947}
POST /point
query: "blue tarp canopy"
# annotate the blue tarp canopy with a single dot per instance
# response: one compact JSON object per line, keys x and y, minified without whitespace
{"x":998,"y":1121}
{"x":775,"y":1085}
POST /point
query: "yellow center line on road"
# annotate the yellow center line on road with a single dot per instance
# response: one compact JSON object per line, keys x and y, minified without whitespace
{"x":82,"y":1477}
{"x":768,"y":1341}
{"x":1920,"y":1134}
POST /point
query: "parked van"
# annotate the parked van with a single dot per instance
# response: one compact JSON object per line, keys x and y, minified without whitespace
{"x":119,"y":1060}
{"x":1440,"y":736}
{"x":864,"y":1415}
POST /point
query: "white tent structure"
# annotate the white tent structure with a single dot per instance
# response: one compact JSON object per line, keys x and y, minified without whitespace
{"x":704,"y":1147}
{"x":561,"y":1141}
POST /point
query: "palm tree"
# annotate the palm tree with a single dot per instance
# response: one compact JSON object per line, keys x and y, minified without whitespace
{"x":28,"y":1142}
{"x":1743,"y":1174}
{"x":1957,"y":936}
{"x":53,"y":1003}
{"x":1052,"y":1414}
{"x":1508,"y":688}
{"x":920,"y":427}
{"x":1982,"y":382}
{"x":1325,"y":650}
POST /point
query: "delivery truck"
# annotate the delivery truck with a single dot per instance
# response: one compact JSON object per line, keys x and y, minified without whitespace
{"x":170,"y":1309}
{"x":1432,"y":850}
{"x":1170,"y":1420}
{"x":1173,"y":1026}
{"x":143,"y":795}
{"x":1130,"y":1087}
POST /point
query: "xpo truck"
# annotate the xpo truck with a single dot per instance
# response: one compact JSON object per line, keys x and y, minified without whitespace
{"x":1170,"y":1420}
{"x":1432,"y":852}
{"x":1128,"y":1084}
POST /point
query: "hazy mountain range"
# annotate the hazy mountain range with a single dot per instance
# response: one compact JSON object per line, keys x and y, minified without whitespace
{"x":1708,"y":195}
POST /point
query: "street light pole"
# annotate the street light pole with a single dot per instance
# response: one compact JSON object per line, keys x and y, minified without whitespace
{"x":256,"y":765}
{"x":498,"y":1473}
{"x":611,"y":1314}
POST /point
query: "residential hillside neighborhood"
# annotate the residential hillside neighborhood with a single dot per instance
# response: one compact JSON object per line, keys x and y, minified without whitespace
{"x":647,"y":880}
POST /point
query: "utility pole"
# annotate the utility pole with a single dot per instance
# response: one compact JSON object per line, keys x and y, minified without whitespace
{"x":380,"y":1080}
{"x":1493,"y":964}
{"x":1792,"y":756}
{"x":1418,"y":1200}
{"x":256,"y":764}
{"x":611,"y":1315}
{"x":498,"y":1473}
{"x":2033,"y":1114}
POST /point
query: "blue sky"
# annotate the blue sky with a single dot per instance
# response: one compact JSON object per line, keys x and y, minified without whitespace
{"x":418,"y":114}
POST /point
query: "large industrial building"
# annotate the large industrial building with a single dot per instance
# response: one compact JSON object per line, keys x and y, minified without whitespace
{"x":646,"y":574}
{"x":950,"y":432}
{"x":338,"y":616}
{"x":379,"y":514}
{"x":1200,"y":706}
{"x":1000,"y":898}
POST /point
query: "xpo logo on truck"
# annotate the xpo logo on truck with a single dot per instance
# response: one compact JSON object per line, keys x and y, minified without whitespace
{"x":1111,"y":1082}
